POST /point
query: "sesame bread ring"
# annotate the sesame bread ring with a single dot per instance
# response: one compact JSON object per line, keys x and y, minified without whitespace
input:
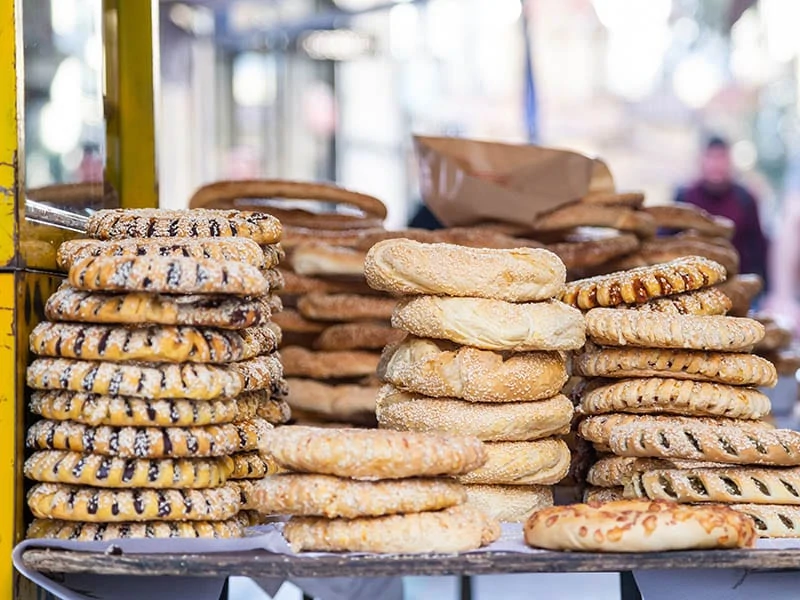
{"x":519,"y":275}
{"x":705,"y":302}
{"x":136,"y":442}
{"x":473,"y":237}
{"x":78,"y":503}
{"x":222,"y":194}
{"x":298,"y":217}
{"x":616,"y":471}
{"x":345,"y":307}
{"x":601,"y":495}
{"x":456,"y":529}
{"x":327,"y":261}
{"x":58,"y":466}
{"x":631,"y":199}
{"x":614,"y":327}
{"x":507,"y":422}
{"x":98,"y":532}
{"x":541,"y":462}
{"x":443,"y":370}
{"x":742,"y":485}
{"x":115,"y":224}
{"x":120,"y":411}
{"x":722,"y":367}
{"x":167,"y":275}
{"x":584,"y":214}
{"x":150,"y":344}
{"x":221,"y":249}
{"x":644,"y":283}
{"x":509,"y":503}
{"x":357,"y":336}
{"x":341,"y":402}
{"x":772,"y":520}
{"x":334,"y":497}
{"x":588,"y":253}
{"x":492,"y":324}
{"x":369,"y":454}
{"x":224,"y":312}
{"x":294,"y":236}
{"x":675,"y":396}
{"x":343,"y":364}
{"x":687,"y":216}
{"x":638,"y":526}
{"x":187,"y":380}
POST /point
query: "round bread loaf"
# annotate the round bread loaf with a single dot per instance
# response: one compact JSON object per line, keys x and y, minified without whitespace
{"x":509,"y":503}
{"x":543,"y":462}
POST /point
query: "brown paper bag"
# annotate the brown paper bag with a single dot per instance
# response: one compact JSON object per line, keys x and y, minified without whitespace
{"x":465,"y":182}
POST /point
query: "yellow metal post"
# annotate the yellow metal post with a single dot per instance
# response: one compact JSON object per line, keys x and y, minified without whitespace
{"x":130,"y":108}
{"x":9,"y":491}
{"x":9,"y":132}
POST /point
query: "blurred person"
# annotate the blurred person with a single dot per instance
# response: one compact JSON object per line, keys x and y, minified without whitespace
{"x":718,"y":193}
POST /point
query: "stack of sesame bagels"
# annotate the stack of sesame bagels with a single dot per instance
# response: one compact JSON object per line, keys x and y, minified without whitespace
{"x":485,"y":356}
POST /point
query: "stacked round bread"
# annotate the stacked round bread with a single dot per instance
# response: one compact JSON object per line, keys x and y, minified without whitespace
{"x":484,"y":356}
{"x":157,"y":375}
{"x":671,"y":399}
{"x":351,"y":490}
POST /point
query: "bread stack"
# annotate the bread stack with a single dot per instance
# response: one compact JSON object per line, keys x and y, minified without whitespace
{"x":353,"y":490}
{"x":484,"y":356}
{"x":156,"y":371}
{"x":671,"y":399}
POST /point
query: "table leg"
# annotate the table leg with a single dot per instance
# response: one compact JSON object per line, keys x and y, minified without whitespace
{"x":628,"y":588}
{"x":465,"y":587}
{"x":223,"y":594}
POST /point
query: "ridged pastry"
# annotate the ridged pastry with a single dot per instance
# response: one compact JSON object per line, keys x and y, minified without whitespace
{"x":455,"y":529}
{"x":674,"y":396}
{"x":541,"y":462}
{"x":136,"y":308}
{"x":741,"y":485}
{"x":616,"y":471}
{"x":85,"y":504}
{"x":334,"y":497}
{"x":98,"y":532}
{"x":492,"y":324}
{"x":722,"y":367}
{"x":370,"y":454}
{"x":59,"y":466}
{"x":772,"y":521}
{"x":645,"y":283}
{"x":612,"y":327}
{"x":520,"y":275}
{"x":222,"y":249}
{"x":336,"y":401}
{"x":248,"y":465}
{"x":167,"y":275}
{"x":357,"y":336}
{"x":327,"y":261}
{"x":343,"y":364}
{"x":114,"y":224}
{"x":263,"y":372}
{"x":150,"y":344}
{"x":491,"y":422}
{"x":345,"y":307}
{"x":509,"y":503}
{"x":704,"y":302}
{"x":601,"y":495}
{"x":638,"y":526}
{"x":275,"y":411}
{"x":443,"y":370}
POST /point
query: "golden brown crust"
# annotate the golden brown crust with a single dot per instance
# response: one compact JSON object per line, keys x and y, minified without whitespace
{"x":333,"y":497}
{"x":327,"y":261}
{"x":704,"y":302}
{"x":721,"y":367}
{"x":588,"y":253}
{"x":370,"y":455}
{"x":115,"y":224}
{"x":219,"y":249}
{"x":541,"y":462}
{"x":299,"y":217}
{"x":97,"y":532}
{"x":224,"y":312}
{"x":295,"y":284}
{"x":508,"y":422}
{"x":675,"y":396}
{"x":263,"y":372}
{"x":509,"y":503}
{"x":645,"y":283}
{"x":473,"y":237}
{"x":638,"y":526}
{"x":357,"y":336}
{"x":741,"y":485}
{"x":150,"y":344}
{"x":274,"y":411}
{"x":345,"y":307}
{"x":583,"y":214}
{"x":300,"y":362}
{"x":519,"y":275}
{"x":492,"y":324}
{"x":292,"y":321}
{"x":248,"y":465}
{"x":143,"y":442}
{"x":772,"y":521}
{"x":663,"y":250}
{"x":293,"y":236}
{"x":687,"y":216}
{"x":742,"y":290}
{"x":341,"y":402}
{"x":776,"y":336}
{"x":615,"y":327}
{"x":631,"y":199}
{"x":724,"y":442}
{"x":58,"y":466}
{"x":601,"y":495}
{"x":167,"y":275}
{"x":616,"y":471}
{"x":455,"y":529}
{"x":443,"y":370}
{"x":78,"y":503}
